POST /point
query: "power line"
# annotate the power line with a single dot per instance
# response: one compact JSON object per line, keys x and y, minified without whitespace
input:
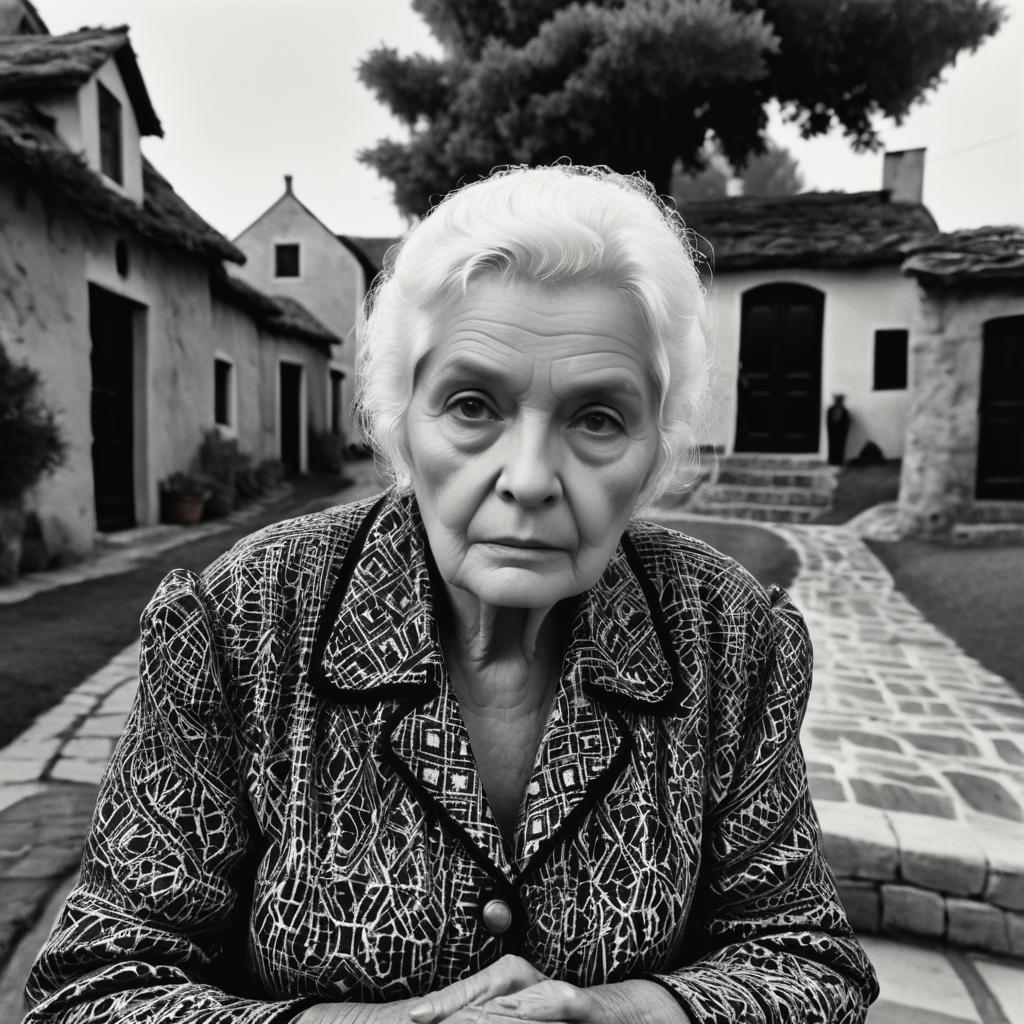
{"x":976,"y":145}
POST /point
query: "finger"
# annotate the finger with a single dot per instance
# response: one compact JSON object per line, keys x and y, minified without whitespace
{"x":443,"y":1003}
{"x":509,"y":974}
{"x":547,"y":1001}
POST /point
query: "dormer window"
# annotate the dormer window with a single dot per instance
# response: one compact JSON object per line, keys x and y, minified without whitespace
{"x":111,"y":161}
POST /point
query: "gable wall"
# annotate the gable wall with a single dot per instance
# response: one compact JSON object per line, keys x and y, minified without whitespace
{"x":331,"y":281}
{"x":857,"y":303}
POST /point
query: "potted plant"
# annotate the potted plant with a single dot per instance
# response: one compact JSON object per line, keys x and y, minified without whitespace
{"x":184,"y":496}
{"x":30,"y":446}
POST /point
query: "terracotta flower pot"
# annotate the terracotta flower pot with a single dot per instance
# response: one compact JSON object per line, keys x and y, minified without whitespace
{"x":188,"y":509}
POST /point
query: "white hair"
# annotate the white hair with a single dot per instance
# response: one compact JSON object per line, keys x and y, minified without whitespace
{"x":543,"y":224}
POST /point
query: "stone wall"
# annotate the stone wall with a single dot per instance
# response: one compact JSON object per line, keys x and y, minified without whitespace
{"x":938,"y":479}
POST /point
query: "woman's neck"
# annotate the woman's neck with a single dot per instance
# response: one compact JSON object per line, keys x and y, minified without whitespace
{"x":501,"y":659}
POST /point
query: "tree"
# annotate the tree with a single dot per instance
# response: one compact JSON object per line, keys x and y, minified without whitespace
{"x":638,"y":84}
{"x":772,"y":173}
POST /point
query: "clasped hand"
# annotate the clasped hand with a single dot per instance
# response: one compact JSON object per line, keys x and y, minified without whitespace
{"x":510,"y":991}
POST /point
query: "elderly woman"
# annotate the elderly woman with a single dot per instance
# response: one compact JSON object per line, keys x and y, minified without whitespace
{"x":485,"y":747}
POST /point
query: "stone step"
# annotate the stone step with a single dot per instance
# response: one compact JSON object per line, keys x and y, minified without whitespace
{"x":996,"y":512}
{"x":988,"y":533}
{"x":772,"y":461}
{"x":767,"y":477}
{"x":721,"y":493}
{"x":756,"y":513}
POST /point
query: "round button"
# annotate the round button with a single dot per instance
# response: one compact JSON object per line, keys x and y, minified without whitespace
{"x":497,"y":915}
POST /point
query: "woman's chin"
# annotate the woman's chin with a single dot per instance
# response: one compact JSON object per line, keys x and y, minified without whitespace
{"x":518,"y":587}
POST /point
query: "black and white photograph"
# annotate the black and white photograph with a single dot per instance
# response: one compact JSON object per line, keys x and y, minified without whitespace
{"x":511,"y":511}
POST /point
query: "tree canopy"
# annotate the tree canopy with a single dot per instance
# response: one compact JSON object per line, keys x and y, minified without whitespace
{"x":641,"y":84}
{"x":773,"y":172}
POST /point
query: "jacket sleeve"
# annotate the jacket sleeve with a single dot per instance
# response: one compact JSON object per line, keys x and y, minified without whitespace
{"x":772,"y":942}
{"x":151,"y":932}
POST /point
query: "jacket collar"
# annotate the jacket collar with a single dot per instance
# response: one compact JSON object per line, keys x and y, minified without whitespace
{"x":377,"y":638}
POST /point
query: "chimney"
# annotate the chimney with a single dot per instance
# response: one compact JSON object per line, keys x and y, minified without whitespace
{"x":288,"y":181}
{"x":903,"y":175}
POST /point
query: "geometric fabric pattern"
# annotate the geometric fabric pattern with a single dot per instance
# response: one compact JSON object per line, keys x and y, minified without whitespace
{"x":294,"y":814}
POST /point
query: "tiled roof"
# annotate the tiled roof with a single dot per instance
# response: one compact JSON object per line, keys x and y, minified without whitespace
{"x":279,"y":314}
{"x":374,"y":249}
{"x":35,"y":64}
{"x":30,"y":151}
{"x":814,"y":229}
{"x":989,"y":254}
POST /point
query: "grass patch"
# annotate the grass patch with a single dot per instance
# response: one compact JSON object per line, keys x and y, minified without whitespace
{"x":862,"y":487}
{"x":974,"y":594}
{"x":765,"y":554}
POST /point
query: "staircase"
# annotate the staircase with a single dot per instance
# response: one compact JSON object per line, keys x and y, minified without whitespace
{"x":767,"y":488}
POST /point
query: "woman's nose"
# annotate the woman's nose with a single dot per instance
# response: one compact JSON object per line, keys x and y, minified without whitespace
{"x":530,"y":466}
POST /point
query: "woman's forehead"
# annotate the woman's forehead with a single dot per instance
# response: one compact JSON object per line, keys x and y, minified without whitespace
{"x":587,"y":336}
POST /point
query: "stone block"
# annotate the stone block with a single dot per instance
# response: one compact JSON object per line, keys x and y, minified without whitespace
{"x":1015,"y":933}
{"x":863,"y":904}
{"x":1003,"y":846}
{"x":906,"y":909}
{"x":858,"y":841}
{"x":940,"y":855}
{"x":897,"y":796}
{"x":985,"y":795}
{"x":976,"y":925}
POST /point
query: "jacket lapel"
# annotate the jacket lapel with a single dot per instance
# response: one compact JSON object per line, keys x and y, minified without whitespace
{"x":382,"y":644}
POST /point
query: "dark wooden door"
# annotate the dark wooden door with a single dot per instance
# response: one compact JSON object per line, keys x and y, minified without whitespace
{"x":778,"y":406}
{"x":1001,"y":410}
{"x":112,"y":409}
{"x":291,"y":417}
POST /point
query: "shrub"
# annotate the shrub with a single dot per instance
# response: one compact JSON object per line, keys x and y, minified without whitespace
{"x":31,"y":444}
{"x":326,"y":451}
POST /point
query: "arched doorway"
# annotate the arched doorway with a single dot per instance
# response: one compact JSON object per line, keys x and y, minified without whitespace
{"x":778,"y":405}
{"x":1001,"y":410}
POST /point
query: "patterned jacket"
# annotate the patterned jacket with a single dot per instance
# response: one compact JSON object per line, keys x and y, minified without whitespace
{"x":294,"y":815}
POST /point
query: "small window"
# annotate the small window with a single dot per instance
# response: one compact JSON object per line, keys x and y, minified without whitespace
{"x":337,"y":376}
{"x":286,"y":260}
{"x":890,"y":360}
{"x":111,"y":163}
{"x":222,"y":392}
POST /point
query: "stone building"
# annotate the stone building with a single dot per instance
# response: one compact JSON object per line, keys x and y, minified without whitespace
{"x":807,"y":302}
{"x":114,"y":290}
{"x":964,"y":456}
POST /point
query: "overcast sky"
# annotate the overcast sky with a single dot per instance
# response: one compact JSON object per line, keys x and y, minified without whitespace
{"x":250,"y":90}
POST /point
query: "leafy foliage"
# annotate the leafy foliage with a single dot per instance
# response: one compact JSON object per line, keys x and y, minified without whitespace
{"x":772,"y":173}
{"x":640,"y":84}
{"x":31,"y":444}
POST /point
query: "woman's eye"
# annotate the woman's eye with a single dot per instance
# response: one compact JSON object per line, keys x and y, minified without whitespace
{"x":469,"y":407}
{"x":602,"y":424}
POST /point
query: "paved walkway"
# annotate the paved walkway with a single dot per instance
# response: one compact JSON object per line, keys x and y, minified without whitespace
{"x":915,"y":753}
{"x":916,"y":758}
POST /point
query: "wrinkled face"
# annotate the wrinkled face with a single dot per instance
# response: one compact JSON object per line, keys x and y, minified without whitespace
{"x":530,"y":435}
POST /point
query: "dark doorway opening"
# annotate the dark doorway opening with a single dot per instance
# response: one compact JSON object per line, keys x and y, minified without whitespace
{"x":778,"y":407}
{"x":1001,"y":411}
{"x":112,"y":360}
{"x":291,"y":417}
